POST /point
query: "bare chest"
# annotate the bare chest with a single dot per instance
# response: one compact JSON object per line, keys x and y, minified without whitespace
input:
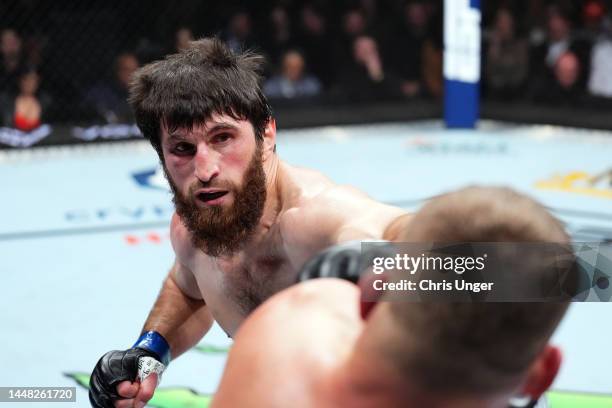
{"x":234,"y":286}
{"x":251,"y":277}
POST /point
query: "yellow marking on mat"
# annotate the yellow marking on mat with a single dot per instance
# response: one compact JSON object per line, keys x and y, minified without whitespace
{"x":580,"y":182}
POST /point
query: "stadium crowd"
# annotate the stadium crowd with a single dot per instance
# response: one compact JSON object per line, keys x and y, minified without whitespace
{"x":69,"y":62}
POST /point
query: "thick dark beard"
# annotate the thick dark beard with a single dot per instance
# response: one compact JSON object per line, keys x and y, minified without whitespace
{"x":219,"y":231}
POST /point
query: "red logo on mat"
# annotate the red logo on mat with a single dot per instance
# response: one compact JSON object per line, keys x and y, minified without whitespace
{"x":148,"y":238}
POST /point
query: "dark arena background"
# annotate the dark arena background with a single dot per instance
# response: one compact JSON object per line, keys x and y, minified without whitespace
{"x":402,"y":99}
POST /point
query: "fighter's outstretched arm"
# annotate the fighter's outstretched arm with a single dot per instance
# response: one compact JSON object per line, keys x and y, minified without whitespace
{"x":179,"y":314}
{"x":178,"y":320}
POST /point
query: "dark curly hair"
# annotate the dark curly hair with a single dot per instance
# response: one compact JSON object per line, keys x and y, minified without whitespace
{"x":188,"y":87}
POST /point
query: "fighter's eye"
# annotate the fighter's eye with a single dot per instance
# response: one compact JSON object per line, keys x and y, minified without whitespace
{"x":222,"y":137}
{"x":183,"y":149}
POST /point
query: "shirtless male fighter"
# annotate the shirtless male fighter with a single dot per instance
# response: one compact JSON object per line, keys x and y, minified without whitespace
{"x":308,"y":346}
{"x":245,"y":221}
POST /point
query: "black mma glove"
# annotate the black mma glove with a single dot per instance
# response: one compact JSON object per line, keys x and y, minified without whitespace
{"x":345,"y":261}
{"x":151,"y":353}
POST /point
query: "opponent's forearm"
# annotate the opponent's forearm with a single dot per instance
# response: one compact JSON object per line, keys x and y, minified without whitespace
{"x":182,"y":320}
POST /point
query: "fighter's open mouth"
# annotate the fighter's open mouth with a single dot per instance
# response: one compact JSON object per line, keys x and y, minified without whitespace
{"x":211,"y":196}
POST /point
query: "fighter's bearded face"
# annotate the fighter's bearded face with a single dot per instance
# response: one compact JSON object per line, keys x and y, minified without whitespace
{"x":216,"y":174}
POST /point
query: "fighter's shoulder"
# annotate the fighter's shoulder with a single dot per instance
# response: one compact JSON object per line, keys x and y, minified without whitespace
{"x":306,"y":182}
{"x":305,"y":186}
{"x":342,"y":194}
{"x":316,"y":211}
{"x":310,"y":187}
{"x":302,"y":307}
{"x":324,"y":293}
{"x":317,"y":320}
{"x":301,"y":332}
{"x":336,"y":200}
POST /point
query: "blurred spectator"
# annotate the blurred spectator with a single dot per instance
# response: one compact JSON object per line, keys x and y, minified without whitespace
{"x":365,"y":79}
{"x":11,"y":60}
{"x":370,"y":11}
{"x":315,"y":41}
{"x":600,"y":77}
{"x":109,"y":99}
{"x":35,"y":48}
{"x":278,"y":36}
{"x":592,"y":14}
{"x":432,"y":58}
{"x":533,"y":14}
{"x":377,"y":15}
{"x":181,"y":38}
{"x":26,"y":109}
{"x":564,"y":87}
{"x":506,"y":59}
{"x":293,"y":82}
{"x":239,"y":32}
{"x":567,"y":70}
{"x":408,"y":51}
{"x":401,"y":57}
{"x":558,"y":41}
{"x":353,"y":25}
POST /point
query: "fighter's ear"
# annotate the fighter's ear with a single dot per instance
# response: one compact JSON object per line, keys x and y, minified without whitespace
{"x":369,"y":295}
{"x":542,"y":372}
{"x":269,"y":138}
